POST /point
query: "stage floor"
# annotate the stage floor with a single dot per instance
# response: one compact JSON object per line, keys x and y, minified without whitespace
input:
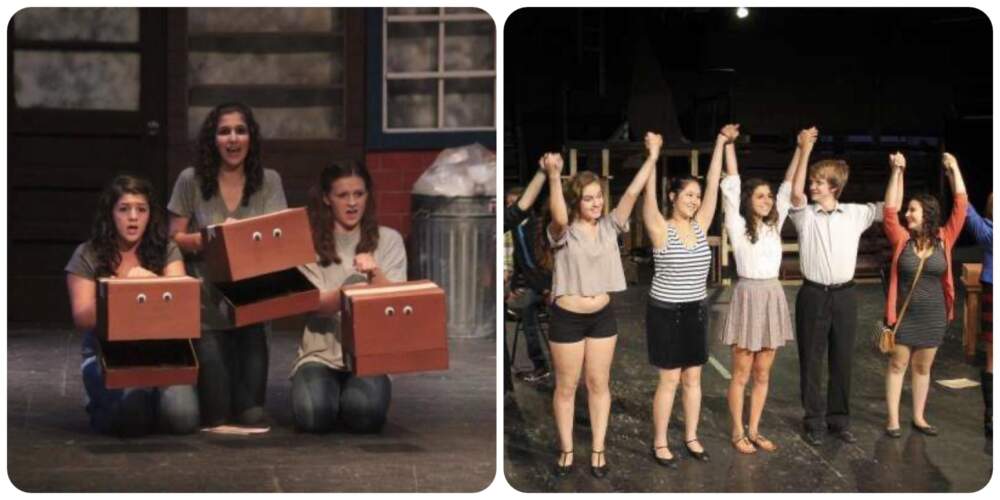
{"x":954,"y":461}
{"x":440,"y":434}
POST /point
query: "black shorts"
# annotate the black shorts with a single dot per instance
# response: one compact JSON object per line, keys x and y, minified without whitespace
{"x":569,"y":327}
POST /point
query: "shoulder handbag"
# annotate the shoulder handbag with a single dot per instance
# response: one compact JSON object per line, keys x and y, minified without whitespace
{"x":884,"y":337}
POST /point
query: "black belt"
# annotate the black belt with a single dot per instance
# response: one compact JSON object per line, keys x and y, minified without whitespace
{"x":828,"y":288}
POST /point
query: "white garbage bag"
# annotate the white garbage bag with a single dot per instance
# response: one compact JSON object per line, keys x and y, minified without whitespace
{"x":463,"y":171}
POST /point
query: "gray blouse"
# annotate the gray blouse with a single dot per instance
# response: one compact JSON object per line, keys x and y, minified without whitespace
{"x":321,"y":338}
{"x":186,"y":201}
{"x":586,"y":266}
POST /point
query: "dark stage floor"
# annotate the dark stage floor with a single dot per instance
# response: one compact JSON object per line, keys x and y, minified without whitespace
{"x":440,"y":435}
{"x":955,"y":461}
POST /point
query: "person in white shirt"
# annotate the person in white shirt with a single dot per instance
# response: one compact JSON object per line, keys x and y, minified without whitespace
{"x":826,"y":306}
{"x":758,"y":322}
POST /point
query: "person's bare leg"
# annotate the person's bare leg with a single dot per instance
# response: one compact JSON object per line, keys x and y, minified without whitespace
{"x":567,"y":359}
{"x":597,"y":368}
{"x":663,"y":404}
{"x":742,"y":362}
{"x":920,"y":380}
{"x":691,"y":384}
{"x":895,"y":371}
{"x":762,"y":363}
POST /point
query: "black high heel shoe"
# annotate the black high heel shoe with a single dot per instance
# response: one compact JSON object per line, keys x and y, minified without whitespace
{"x":670,"y":463}
{"x":563,"y":470}
{"x":697,"y":455}
{"x":599,"y":471}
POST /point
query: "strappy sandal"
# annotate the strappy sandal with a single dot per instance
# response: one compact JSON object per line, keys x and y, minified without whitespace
{"x":762,"y":442}
{"x":670,"y":463}
{"x":743,"y":445}
{"x":561,"y":469}
{"x":599,"y":471}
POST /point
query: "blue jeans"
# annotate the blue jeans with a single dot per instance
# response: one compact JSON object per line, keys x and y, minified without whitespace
{"x":527,"y":305}
{"x":321,"y":395}
{"x":232,"y":377}
{"x":137,"y":411}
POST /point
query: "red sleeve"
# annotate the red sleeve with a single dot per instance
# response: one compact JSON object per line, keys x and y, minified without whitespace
{"x":954,"y":225}
{"x":890,"y":222}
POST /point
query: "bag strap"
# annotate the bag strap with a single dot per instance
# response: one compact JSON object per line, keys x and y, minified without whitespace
{"x":902,"y":312}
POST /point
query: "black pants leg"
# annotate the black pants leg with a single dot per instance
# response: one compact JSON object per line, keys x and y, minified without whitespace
{"x":249,"y":383}
{"x":216,"y":365}
{"x":844,"y":327}
{"x":813,"y":318}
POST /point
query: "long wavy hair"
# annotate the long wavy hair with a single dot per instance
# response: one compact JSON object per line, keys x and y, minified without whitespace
{"x":208,"y":161}
{"x":321,"y":214}
{"x":541,"y":248}
{"x":931,"y":225}
{"x":747,"y":212}
{"x":677,"y":184}
{"x":152,"y":250}
{"x":573,"y":191}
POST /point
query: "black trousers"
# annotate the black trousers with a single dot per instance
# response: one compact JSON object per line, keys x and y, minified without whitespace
{"x":825,"y":324}
{"x":232,"y":378}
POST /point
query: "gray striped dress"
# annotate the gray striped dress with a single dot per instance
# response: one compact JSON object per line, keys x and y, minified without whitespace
{"x":926,"y":319}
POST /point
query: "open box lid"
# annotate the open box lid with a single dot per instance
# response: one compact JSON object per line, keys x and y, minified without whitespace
{"x":149,"y":308}
{"x":258,"y":245}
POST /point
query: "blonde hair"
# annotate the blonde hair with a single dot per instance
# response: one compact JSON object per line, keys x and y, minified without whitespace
{"x":834,"y":172}
{"x":573,"y":192}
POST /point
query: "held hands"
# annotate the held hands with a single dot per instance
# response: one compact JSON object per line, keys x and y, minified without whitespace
{"x":949,"y":163}
{"x":140,"y":272}
{"x":551,"y":164}
{"x":365,"y":263}
{"x":653,"y":142}
{"x":730,"y":132}
{"x":807,"y":137}
{"x":898,"y":161}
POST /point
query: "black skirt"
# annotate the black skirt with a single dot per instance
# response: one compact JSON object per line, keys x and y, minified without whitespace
{"x":676,"y":334}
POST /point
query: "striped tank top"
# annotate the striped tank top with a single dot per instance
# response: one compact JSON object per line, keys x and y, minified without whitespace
{"x":680,"y":274}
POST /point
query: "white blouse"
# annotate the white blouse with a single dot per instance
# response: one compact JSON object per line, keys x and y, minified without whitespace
{"x":760,"y":260}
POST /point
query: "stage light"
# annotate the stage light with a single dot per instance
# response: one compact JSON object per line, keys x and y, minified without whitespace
{"x":742,"y":12}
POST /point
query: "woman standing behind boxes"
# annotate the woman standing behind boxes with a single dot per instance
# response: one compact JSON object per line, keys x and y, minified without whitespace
{"x":228,"y":182}
{"x":128,"y":239}
{"x":351,"y":247}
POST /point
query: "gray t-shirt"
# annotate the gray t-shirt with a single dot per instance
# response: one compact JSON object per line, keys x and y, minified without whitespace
{"x":321,"y":338}
{"x":186,"y":201}
{"x":84,"y":264}
{"x":586,"y":266}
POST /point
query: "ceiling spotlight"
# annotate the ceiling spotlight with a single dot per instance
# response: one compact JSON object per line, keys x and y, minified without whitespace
{"x":742,"y":12}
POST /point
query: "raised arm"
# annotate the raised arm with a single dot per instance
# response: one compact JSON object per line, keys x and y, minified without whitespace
{"x":552,"y":163}
{"x":894,"y":188}
{"x":805,"y":140}
{"x":731,"y":166}
{"x":711,"y":195}
{"x":953,"y":173}
{"x":624,"y":208}
{"x":531,"y":192}
{"x":651,"y":216}
{"x":794,"y":164}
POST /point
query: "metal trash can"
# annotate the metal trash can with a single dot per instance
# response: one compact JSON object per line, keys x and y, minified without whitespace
{"x":453,"y":243}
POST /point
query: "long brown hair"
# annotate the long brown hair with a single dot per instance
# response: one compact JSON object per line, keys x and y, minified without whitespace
{"x":321,"y":215}
{"x":747,"y":212}
{"x":152,"y":250}
{"x":207,"y":164}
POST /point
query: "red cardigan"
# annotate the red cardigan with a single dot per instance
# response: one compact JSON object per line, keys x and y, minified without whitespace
{"x":899,"y":235}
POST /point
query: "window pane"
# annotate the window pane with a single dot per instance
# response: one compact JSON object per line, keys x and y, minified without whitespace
{"x":468,"y":102}
{"x":406,"y":11}
{"x":463,"y":10}
{"x":91,"y":24}
{"x":314,"y":122}
{"x":412,"y":104}
{"x":412,"y":47}
{"x":245,"y":20}
{"x":217,"y":68}
{"x":468,"y":45}
{"x":76,"y":80}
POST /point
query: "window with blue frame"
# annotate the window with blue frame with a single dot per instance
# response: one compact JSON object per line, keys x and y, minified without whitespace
{"x":431,"y":78}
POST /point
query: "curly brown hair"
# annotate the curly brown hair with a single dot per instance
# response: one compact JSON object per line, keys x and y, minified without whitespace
{"x":152,"y":250}
{"x":931,"y":225}
{"x":747,"y":212}
{"x":321,"y":215}
{"x":208,"y":161}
